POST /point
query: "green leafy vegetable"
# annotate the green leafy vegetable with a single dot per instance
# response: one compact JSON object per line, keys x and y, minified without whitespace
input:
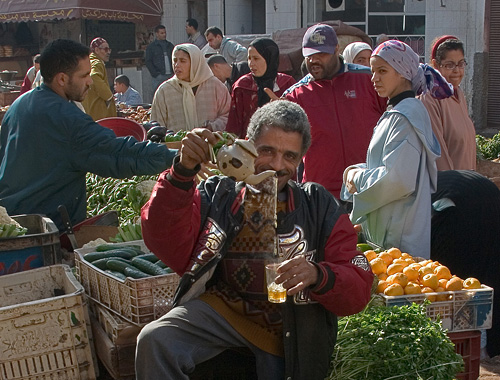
{"x":488,"y":148}
{"x":393,"y":343}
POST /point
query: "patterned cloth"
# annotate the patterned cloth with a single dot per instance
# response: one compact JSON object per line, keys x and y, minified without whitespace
{"x":406,"y":62}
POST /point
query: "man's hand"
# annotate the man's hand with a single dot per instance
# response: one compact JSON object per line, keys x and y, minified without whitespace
{"x":349,"y":179}
{"x":195,"y":147}
{"x":297,"y":274}
{"x":271,"y":94}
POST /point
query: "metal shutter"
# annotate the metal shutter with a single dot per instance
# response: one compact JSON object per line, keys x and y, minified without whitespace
{"x":493,"y":117}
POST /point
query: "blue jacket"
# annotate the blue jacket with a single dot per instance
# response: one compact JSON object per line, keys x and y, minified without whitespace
{"x":47,"y":146}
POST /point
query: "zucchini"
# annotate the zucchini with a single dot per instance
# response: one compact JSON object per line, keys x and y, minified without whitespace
{"x":151,"y":257}
{"x":131,"y":271}
{"x":147,"y":267}
{"x":102,"y":263}
{"x":118,"y":275}
{"x":161,"y":264}
{"x":123,"y":253}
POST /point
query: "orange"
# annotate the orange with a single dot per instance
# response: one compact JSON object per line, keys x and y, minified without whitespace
{"x":378,"y":265}
{"x":430,"y":297}
{"x":454,"y":283}
{"x":370,"y":254}
{"x":398,"y":278}
{"x":433,"y":265}
{"x":412,"y":288}
{"x":423,"y":271}
{"x":441,"y":296}
{"x":442,"y":283}
{"x":386,"y":257}
{"x":472,"y":283}
{"x":442,"y":271}
{"x":409,"y":260}
{"x":403,"y":262}
{"x":382,"y":285}
{"x":394,"y":268}
{"x":394,"y":252}
{"x":405,"y":255}
{"x":382,"y":276}
{"x":430,"y":280}
{"x":417,"y":266}
{"x":394,"y":290}
{"x":411,"y":273}
{"x":425,"y":262}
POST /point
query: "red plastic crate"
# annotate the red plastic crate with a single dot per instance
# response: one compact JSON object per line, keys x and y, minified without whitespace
{"x":468,"y":344}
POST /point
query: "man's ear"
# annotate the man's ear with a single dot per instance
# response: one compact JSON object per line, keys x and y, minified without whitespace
{"x":61,"y":79}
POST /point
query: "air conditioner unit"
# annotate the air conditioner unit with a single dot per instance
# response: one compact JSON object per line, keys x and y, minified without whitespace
{"x":335,"y":5}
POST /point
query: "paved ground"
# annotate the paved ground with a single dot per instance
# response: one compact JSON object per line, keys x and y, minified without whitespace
{"x":490,"y":369}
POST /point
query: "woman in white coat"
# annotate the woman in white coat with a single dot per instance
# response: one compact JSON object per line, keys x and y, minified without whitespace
{"x":391,"y":192}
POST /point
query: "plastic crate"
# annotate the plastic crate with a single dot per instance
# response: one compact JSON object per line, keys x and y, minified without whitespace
{"x":138,"y":301}
{"x":43,"y":326}
{"x":119,"y":331}
{"x":39,"y":247}
{"x":465,"y":310}
{"x":468,"y":344}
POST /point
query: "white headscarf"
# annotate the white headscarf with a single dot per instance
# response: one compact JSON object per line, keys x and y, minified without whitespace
{"x":405,"y":61}
{"x":198,"y":73}
{"x":353,"y":49}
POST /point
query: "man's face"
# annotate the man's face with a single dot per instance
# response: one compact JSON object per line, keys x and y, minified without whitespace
{"x":79,"y":82}
{"x":161,"y":34}
{"x":190,"y":30}
{"x":222,"y":71}
{"x":280,"y":151}
{"x":103,"y":52}
{"x":214,"y":41}
{"x":323,"y":65}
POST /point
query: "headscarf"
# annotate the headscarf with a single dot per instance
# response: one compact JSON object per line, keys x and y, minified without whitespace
{"x":198,"y":73}
{"x":96,"y":42}
{"x":405,"y":61}
{"x":269,"y":50}
{"x":353,"y":49}
{"x":439,"y":41}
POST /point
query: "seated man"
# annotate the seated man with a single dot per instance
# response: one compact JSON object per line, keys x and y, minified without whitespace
{"x":126,"y":94}
{"x":221,"y":301}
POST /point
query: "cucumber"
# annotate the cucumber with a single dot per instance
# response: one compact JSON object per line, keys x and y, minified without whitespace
{"x":123,"y":253}
{"x":135,"y":273}
{"x":118,"y":265}
{"x":116,"y":274}
{"x":109,"y":247}
{"x":147,"y":267}
{"x":103,"y":263}
{"x":161,"y":264}
{"x":151,"y":257}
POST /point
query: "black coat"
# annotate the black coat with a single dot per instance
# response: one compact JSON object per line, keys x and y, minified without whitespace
{"x":155,"y":59}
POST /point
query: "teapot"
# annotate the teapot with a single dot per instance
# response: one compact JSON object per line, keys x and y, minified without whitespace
{"x":236,"y":159}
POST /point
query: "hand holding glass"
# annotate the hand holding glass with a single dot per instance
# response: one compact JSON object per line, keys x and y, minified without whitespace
{"x":276,"y":293}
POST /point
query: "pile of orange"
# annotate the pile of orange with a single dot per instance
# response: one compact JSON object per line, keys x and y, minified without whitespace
{"x":398,"y":274}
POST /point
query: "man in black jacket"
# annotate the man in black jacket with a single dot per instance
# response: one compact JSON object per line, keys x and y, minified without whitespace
{"x":159,"y":57}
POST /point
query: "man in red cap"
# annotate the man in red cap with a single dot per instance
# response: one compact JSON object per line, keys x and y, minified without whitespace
{"x":99,"y":102}
{"x":342,"y":107}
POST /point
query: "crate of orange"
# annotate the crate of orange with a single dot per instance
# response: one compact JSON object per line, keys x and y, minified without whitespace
{"x":460,"y":304}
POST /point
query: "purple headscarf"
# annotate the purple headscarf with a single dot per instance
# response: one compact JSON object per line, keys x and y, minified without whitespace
{"x":405,"y":61}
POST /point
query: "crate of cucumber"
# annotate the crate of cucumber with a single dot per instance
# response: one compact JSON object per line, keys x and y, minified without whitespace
{"x":127,"y":279}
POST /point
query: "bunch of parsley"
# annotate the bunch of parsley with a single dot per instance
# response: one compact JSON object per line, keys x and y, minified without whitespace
{"x":393,"y":343}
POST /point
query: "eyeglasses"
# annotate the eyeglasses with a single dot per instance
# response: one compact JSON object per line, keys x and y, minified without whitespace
{"x":452,"y":65}
{"x":106,"y":49}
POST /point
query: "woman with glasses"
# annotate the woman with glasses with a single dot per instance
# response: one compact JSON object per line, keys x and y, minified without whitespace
{"x":99,"y":102}
{"x":449,"y":117}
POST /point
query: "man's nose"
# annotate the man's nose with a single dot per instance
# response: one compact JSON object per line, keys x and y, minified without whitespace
{"x":277,"y":163}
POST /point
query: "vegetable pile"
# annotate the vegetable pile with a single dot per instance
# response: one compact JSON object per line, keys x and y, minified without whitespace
{"x":393,"y":343}
{"x":126,"y":261}
{"x":488,"y":148}
{"x":9,"y":227}
{"x":126,"y":196}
